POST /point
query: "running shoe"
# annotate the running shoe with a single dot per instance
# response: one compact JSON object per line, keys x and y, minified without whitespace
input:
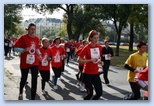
{"x":43,"y":92}
{"x":20,"y":97}
{"x":55,"y":87}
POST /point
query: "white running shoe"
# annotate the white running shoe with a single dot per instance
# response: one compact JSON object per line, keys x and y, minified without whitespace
{"x":55,"y":87}
{"x":43,"y":91}
{"x":81,"y":87}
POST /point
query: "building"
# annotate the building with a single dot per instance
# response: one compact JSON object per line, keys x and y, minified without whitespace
{"x":42,"y":23}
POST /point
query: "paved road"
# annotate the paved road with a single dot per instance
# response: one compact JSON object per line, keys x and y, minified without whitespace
{"x":67,"y":86}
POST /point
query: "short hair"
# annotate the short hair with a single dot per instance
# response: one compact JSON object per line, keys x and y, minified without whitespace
{"x":140,"y":44}
{"x":30,"y":25}
{"x":54,"y":41}
{"x":43,"y":39}
{"x":91,"y":34}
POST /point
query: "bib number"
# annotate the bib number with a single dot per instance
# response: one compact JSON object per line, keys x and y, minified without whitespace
{"x":30,"y":59}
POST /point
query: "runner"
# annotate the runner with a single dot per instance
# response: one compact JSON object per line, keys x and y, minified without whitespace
{"x":44,"y":64}
{"x":28,"y":45}
{"x":58,"y":54}
{"x":90,"y":56}
{"x":135,"y":64}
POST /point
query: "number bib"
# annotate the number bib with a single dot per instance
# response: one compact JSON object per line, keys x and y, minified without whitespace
{"x":139,"y":69}
{"x":6,"y":44}
{"x":107,"y":57}
{"x":67,"y":49}
{"x":57,"y":59}
{"x":94,"y":53}
{"x":30,"y":59}
{"x":44,"y":62}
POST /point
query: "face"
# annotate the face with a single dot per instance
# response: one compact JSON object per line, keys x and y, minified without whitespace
{"x":45,"y":43}
{"x":32,"y":30}
{"x":142,"y":49}
{"x":106,"y":43}
{"x":57,"y":41}
{"x":94,"y":39}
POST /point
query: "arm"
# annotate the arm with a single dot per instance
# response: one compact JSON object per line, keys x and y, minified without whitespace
{"x":129,"y":68}
{"x":82,"y":61}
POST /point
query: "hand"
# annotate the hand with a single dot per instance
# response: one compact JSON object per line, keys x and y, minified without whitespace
{"x":102,"y":63}
{"x":136,"y":71}
{"x":40,"y":57}
{"x":27,"y":49}
{"x":109,"y":55}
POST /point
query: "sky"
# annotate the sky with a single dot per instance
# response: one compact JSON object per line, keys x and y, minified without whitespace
{"x":29,"y":13}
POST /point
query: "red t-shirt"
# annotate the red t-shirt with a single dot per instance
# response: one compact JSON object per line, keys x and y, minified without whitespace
{"x":29,"y":58}
{"x":143,"y":75}
{"x":89,"y":52}
{"x":77,"y":52}
{"x":44,"y":64}
{"x":56,"y":54}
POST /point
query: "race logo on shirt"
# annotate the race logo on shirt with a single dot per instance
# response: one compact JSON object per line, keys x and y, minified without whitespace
{"x":57,"y":57}
{"x":32,"y":48}
{"x":44,"y":60}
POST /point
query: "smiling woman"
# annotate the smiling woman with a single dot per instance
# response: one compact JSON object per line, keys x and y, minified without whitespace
{"x":29,"y":13}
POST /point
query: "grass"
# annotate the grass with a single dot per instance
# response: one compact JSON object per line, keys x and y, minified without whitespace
{"x":123,"y":55}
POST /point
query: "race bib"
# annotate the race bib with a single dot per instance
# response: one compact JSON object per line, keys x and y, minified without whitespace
{"x":6,"y":44}
{"x":67,"y":49}
{"x":30,"y":59}
{"x":57,"y":59}
{"x":94,"y":53}
{"x":44,"y":62}
{"x":107,"y":57}
{"x":139,"y":69}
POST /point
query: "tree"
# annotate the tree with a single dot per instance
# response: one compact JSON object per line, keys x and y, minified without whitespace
{"x":138,"y":19}
{"x":117,"y":13}
{"x":76,"y":18}
{"x":12,"y":18}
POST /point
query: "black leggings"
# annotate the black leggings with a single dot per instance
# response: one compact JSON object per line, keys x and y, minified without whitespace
{"x":24,"y":75}
{"x":68,"y":56}
{"x":81,"y":74}
{"x":136,"y":90}
{"x":105,"y":70}
{"x":91,"y":80}
{"x":45,"y":74}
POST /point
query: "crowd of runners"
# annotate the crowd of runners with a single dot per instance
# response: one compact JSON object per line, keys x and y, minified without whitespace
{"x":44,"y":55}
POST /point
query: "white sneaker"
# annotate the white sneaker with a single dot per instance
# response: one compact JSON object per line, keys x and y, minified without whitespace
{"x":81,"y":87}
{"x":43,"y":91}
{"x":78,"y":84}
{"x":55,"y":87}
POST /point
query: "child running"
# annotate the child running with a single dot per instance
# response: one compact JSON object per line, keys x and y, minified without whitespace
{"x":44,"y":64}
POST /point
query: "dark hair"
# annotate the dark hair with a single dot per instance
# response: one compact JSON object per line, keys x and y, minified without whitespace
{"x":54,"y":41}
{"x":91,"y":34}
{"x":140,"y":44}
{"x":30,"y":25}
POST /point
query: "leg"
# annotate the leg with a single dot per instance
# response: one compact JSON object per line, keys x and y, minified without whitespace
{"x":105,"y":69}
{"x":24,"y":75}
{"x":98,"y":87}
{"x":34,"y":73}
{"x":88,"y":84}
{"x":136,"y":90}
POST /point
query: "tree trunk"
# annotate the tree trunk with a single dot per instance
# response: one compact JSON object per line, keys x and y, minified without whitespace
{"x":118,"y":43}
{"x":131,"y":37}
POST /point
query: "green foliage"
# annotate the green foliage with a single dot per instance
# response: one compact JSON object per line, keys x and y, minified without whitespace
{"x":12,"y":18}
